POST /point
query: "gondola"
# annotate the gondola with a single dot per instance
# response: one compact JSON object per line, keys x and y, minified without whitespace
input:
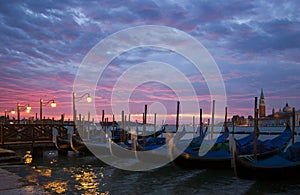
{"x":116,"y":134}
{"x":78,"y":145}
{"x":74,"y":143}
{"x":142,"y":146}
{"x":62,"y":144}
{"x":99,"y":144}
{"x":151,"y":143}
{"x":98,"y":148}
{"x":126,"y":148}
{"x":283,"y":165}
{"x":197,"y":141}
{"x":219,"y":156}
{"x":122,"y":150}
{"x":153,"y":135}
{"x":268,"y":147}
{"x":160,"y":150}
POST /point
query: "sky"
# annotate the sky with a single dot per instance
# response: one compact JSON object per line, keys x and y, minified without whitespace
{"x":255,"y":44}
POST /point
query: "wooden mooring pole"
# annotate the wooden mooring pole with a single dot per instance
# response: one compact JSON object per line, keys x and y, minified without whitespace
{"x":154,"y":125}
{"x":194,"y":126}
{"x":293,"y":126}
{"x":177,"y":116}
{"x":123,"y":128}
{"x":212,"y":122}
{"x":144,"y":125}
{"x":63,"y":134}
{"x":37,"y":152}
{"x":201,"y":123}
{"x":225,"y":124}
{"x":255,"y":128}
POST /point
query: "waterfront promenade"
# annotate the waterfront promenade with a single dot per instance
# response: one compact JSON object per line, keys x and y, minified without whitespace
{"x":13,"y":184}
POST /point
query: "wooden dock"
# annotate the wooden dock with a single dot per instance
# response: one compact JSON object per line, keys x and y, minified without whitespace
{"x":35,"y":136}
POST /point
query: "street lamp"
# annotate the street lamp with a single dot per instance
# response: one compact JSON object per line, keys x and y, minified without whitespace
{"x":12,"y":111}
{"x":27,"y":107}
{"x":53,"y":105}
{"x":88,"y":99}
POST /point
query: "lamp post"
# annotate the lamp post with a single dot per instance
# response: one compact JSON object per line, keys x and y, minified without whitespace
{"x":27,"y":107}
{"x":88,"y":99}
{"x":12,"y":111}
{"x":53,"y":105}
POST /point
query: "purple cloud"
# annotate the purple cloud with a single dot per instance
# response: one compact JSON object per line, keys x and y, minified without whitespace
{"x":255,"y":44}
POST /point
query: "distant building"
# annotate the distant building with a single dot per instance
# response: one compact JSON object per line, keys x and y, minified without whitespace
{"x":241,"y":120}
{"x":262,"y":105}
{"x":287,"y":108}
{"x":281,"y":117}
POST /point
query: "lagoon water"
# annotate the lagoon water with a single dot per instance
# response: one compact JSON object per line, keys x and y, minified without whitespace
{"x":78,"y":174}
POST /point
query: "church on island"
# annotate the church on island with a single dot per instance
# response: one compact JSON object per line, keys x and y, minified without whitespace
{"x":279,"y":118}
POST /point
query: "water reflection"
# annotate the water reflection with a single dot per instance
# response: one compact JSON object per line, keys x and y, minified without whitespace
{"x":44,"y":172}
{"x":32,"y":178}
{"x":27,"y":157}
{"x":86,"y":178}
{"x":75,"y":174}
{"x":57,"y":186}
{"x":69,"y":174}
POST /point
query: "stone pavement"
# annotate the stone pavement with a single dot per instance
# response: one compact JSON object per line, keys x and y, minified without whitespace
{"x":12,"y":184}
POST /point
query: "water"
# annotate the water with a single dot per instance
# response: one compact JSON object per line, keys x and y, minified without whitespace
{"x":77,"y":174}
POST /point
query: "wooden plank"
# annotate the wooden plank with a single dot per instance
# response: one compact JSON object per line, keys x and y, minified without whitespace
{"x":31,"y":133}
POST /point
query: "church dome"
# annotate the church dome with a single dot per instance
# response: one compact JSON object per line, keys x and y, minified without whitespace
{"x":287,"y":108}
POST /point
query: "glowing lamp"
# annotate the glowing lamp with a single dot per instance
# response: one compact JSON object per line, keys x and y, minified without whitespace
{"x":89,"y":98}
{"x":53,"y":104}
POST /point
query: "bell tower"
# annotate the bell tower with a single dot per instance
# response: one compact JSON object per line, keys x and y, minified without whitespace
{"x":262,"y":105}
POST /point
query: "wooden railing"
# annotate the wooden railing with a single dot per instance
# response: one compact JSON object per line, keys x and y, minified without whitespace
{"x":31,"y":133}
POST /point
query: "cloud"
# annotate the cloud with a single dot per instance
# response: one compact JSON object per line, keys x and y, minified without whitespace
{"x":255,"y":44}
